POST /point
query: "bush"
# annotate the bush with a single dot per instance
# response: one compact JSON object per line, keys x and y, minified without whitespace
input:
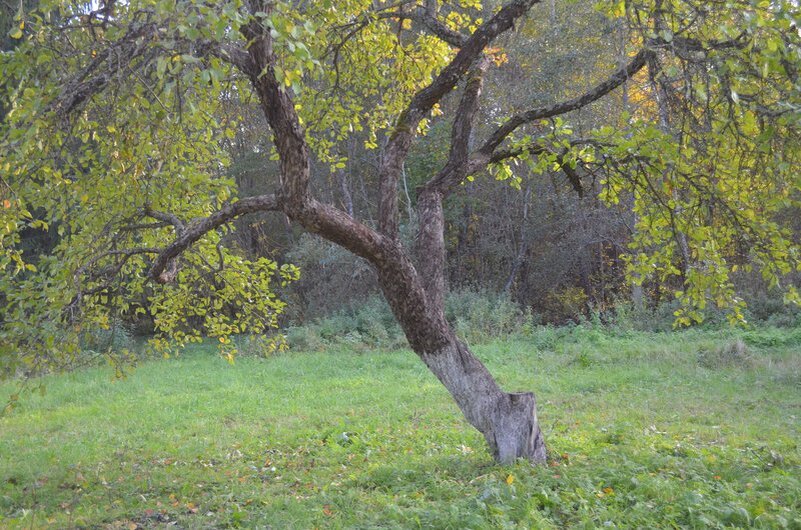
{"x":772,"y":310}
{"x":734,"y":353}
{"x":331,"y":275}
{"x":304,"y":338}
{"x":660,"y":318}
{"x":117,"y":338}
{"x":767,"y":337}
{"x":478,"y":316}
{"x":370,"y":325}
{"x":258,"y":345}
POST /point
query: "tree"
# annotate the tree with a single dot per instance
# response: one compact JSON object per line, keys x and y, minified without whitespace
{"x":115,"y":115}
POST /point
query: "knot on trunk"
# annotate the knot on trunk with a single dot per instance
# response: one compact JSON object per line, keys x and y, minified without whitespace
{"x":169,"y":273}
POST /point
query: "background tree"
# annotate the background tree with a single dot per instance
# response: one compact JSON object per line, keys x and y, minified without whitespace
{"x":117,"y":114}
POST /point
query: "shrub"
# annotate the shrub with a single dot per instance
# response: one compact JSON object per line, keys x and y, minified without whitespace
{"x":258,"y":345}
{"x":330,"y":276}
{"x":368,"y":325}
{"x":478,"y":316}
{"x":304,"y":338}
{"x":734,"y":353}
{"x":117,"y":338}
{"x":767,"y":337}
{"x":659,"y":318}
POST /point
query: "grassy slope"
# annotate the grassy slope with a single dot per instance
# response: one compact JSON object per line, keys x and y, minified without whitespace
{"x":641,"y":433}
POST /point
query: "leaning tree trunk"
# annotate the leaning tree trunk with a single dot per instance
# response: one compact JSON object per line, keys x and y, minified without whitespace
{"x":508,"y":421}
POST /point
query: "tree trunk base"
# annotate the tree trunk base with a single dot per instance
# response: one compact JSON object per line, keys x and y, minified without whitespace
{"x":508,"y":421}
{"x":514,"y":430}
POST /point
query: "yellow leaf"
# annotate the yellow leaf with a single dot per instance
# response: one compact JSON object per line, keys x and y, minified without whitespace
{"x":16,"y":34}
{"x":510,"y":479}
{"x":6,"y":203}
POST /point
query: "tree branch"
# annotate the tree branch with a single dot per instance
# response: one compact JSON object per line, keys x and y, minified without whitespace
{"x":169,"y":218}
{"x":431,"y":23}
{"x":615,"y":80}
{"x":230,"y":54}
{"x":279,"y":109}
{"x":117,"y":56}
{"x":479,"y":164}
{"x":430,"y":241}
{"x":110,"y":273}
{"x":294,"y":197}
{"x":198,"y":228}
{"x":455,"y":169}
{"x":340,"y":228}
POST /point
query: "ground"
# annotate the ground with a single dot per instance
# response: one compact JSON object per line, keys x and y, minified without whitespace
{"x":697,"y":429}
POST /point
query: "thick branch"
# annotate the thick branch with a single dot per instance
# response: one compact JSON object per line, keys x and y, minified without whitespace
{"x":536,"y":149}
{"x":533,"y":148}
{"x":197,"y":229}
{"x":102,"y":69}
{"x":110,"y":273}
{"x":166,"y":217}
{"x":230,"y":54}
{"x":340,"y":228}
{"x":279,"y":109}
{"x":687,"y":48}
{"x":294,"y":196}
{"x":109,"y":62}
{"x":456,"y":167}
{"x":430,"y":242}
{"x":422,"y":103}
{"x":563,"y":107}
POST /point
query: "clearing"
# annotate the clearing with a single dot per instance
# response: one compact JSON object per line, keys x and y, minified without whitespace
{"x":695,"y":429}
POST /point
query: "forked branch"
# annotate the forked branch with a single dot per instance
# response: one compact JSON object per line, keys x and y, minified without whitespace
{"x":161,"y":271}
{"x":423,"y":101}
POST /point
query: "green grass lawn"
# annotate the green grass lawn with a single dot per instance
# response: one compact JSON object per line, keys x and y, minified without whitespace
{"x":644,"y":431}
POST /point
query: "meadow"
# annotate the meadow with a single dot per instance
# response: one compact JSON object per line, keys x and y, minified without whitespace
{"x":692,"y":429}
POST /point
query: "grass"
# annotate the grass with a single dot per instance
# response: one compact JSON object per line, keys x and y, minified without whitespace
{"x":697,"y":429}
